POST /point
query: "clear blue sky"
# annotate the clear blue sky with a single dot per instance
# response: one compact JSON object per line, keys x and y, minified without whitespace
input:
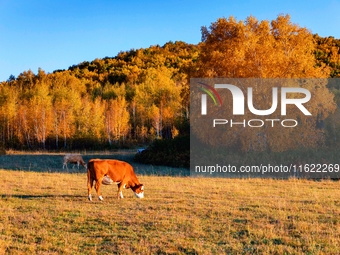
{"x":55,"y":34}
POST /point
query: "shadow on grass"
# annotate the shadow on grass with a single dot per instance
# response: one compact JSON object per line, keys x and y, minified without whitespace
{"x":32,"y":197}
{"x":53,"y":163}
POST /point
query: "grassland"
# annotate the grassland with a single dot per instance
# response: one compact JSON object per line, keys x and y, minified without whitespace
{"x":48,"y":213}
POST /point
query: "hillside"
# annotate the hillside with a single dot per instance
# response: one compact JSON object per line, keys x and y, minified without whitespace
{"x":135,"y":97}
{"x":130,"y":99}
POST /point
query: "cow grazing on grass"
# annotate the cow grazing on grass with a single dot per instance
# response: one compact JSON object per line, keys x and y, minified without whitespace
{"x":120,"y":172}
{"x":75,"y":159}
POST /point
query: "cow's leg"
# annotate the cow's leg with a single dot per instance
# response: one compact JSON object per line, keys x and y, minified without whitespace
{"x":78,"y":164}
{"x":120,"y":190}
{"x":90,"y":182}
{"x":120,"y":194}
{"x":97,"y":186}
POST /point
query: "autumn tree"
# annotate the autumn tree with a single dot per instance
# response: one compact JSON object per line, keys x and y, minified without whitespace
{"x":158,"y":99}
{"x":327,"y":53}
{"x":117,"y":117}
{"x":9,"y":99}
{"x":263,"y":49}
{"x":40,"y":114}
{"x":66,"y":91}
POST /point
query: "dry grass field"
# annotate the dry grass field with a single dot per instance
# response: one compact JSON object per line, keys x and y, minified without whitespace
{"x":48,"y":213}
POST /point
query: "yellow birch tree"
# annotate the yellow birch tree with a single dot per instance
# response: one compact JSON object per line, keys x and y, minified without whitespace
{"x":263,"y":49}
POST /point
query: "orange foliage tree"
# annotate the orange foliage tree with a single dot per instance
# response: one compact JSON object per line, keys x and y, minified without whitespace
{"x":263,"y":49}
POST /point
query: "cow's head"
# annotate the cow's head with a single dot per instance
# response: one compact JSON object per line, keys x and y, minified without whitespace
{"x":138,"y":190}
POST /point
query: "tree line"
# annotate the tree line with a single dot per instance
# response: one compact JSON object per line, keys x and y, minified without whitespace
{"x":142,"y":95}
{"x":135,"y":97}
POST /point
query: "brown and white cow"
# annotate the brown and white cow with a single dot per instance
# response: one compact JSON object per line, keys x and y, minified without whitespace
{"x":75,"y":159}
{"x":120,"y":172}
